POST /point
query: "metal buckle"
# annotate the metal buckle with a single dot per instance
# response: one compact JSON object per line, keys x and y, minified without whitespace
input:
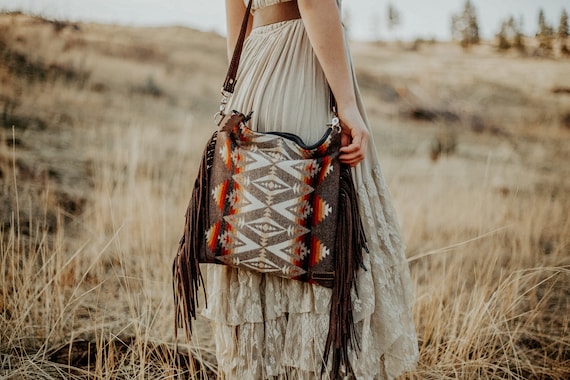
{"x":219,"y":116}
{"x":335,"y":124}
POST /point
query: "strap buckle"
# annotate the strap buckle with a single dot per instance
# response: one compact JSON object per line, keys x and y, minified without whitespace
{"x":219,"y":116}
{"x":335,"y":124}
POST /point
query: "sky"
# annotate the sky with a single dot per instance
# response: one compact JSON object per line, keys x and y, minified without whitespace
{"x":366,"y":18}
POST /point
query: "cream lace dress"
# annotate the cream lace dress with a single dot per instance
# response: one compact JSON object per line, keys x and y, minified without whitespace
{"x":267,"y":327}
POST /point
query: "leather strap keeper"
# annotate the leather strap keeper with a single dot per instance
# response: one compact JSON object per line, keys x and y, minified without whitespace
{"x":276,"y":13}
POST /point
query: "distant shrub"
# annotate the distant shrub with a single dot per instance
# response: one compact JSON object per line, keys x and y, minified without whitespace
{"x":11,"y":118}
{"x":566,"y":121}
{"x":418,"y":42}
{"x":36,"y":70}
{"x":445,"y":143}
{"x":149,"y":87}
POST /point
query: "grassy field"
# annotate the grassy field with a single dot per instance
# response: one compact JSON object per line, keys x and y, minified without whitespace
{"x":101,"y":129}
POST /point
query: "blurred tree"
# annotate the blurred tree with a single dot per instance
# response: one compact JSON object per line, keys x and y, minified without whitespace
{"x":393,"y":17}
{"x":510,"y":35}
{"x":502,"y":38}
{"x":464,"y":26}
{"x":542,"y":25}
{"x":545,"y":34}
{"x":563,"y":33}
{"x":518,"y":41}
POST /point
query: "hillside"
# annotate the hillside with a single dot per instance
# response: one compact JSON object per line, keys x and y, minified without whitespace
{"x":101,"y":127}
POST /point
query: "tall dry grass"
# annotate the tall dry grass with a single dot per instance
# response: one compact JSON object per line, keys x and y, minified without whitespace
{"x":491,"y":272}
{"x":98,"y":304}
{"x":492,"y":275}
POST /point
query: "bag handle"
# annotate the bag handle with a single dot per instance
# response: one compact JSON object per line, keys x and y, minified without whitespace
{"x":230,"y":82}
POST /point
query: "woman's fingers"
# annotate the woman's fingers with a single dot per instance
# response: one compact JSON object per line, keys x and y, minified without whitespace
{"x":352,"y":159}
{"x":354,"y":146}
{"x":355,"y":152}
{"x":355,"y":136}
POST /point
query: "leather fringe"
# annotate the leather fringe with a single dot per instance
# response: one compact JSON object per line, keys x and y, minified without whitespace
{"x":349,"y":244}
{"x":186,"y":269}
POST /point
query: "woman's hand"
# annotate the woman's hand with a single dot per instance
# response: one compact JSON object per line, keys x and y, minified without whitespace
{"x":354,"y":136}
{"x":324,"y":28}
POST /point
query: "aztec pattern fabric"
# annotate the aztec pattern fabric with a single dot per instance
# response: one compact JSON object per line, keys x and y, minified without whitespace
{"x":267,"y":202}
{"x":274,"y":203}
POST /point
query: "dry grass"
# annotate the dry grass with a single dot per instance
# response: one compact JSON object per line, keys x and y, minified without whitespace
{"x":92,"y":202}
{"x":492,"y":288}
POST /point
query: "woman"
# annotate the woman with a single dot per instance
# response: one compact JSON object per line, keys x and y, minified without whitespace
{"x":267,"y":327}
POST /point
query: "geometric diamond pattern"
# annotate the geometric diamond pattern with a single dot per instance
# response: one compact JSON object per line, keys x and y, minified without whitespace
{"x":268,"y":205}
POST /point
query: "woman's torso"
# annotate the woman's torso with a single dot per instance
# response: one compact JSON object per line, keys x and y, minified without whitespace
{"x":281,"y":81}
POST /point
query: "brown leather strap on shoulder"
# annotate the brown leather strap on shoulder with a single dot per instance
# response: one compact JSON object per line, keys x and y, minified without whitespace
{"x":276,"y":13}
{"x":230,"y":82}
{"x":263,"y":16}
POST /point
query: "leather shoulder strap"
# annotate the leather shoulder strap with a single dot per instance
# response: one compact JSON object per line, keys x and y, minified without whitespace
{"x":230,"y":82}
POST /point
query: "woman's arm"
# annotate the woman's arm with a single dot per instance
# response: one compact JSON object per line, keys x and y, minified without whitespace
{"x":235,"y":9}
{"x":323,"y":24}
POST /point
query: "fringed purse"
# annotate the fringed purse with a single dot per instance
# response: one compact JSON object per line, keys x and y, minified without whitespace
{"x":268,"y":202}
